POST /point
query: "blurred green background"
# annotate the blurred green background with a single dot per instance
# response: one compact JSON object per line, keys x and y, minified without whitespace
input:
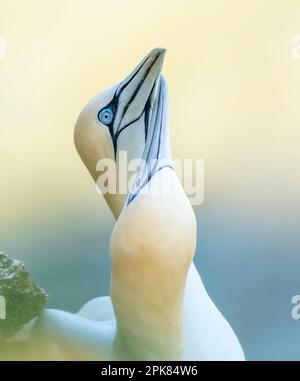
{"x":234,"y":92}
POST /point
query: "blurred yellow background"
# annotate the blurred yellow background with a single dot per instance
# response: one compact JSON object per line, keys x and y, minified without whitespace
{"x":233,"y":88}
{"x":234,"y":102}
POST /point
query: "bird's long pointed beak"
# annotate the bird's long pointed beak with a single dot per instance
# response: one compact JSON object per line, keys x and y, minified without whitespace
{"x":140,"y":86}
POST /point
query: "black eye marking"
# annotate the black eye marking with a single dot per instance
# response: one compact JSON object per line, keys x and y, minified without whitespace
{"x":107,"y":114}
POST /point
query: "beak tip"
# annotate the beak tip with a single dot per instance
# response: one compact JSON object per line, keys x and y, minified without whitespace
{"x":157,"y":51}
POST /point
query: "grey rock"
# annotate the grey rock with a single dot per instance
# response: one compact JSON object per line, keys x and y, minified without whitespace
{"x":24,"y":299}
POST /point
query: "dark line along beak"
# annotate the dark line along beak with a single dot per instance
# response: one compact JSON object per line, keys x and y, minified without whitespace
{"x":138,"y":88}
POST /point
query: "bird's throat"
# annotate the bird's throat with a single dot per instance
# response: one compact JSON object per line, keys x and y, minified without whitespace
{"x":152,"y":247}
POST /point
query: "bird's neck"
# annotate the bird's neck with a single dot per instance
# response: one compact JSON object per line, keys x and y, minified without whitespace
{"x":152,"y":247}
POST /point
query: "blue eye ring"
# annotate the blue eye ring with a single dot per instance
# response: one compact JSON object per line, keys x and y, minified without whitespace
{"x":105,"y":116}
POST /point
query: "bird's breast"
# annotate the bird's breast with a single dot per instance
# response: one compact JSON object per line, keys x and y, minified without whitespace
{"x":152,"y":247}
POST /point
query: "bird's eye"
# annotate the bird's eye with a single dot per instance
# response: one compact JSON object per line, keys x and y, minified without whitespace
{"x":105,"y":116}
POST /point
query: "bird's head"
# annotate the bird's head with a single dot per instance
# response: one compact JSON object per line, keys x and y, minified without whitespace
{"x":119,"y":118}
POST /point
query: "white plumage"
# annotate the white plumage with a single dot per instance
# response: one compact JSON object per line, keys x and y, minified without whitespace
{"x":159,"y":308}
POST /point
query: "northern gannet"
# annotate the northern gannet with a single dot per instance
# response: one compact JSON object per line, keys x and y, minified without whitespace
{"x":158,"y":307}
